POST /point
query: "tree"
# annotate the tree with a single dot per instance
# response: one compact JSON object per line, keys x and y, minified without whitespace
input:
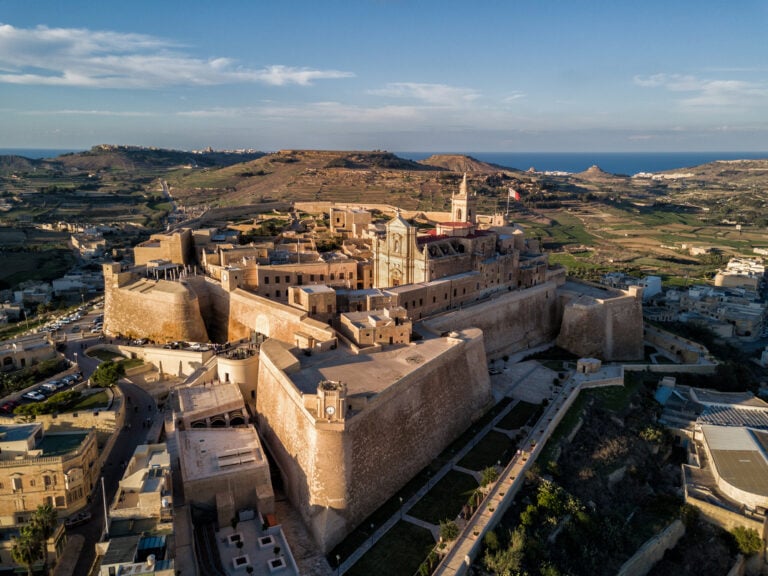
{"x":449,"y":530}
{"x":488,"y":475}
{"x":26,"y":549}
{"x":748,"y":540}
{"x":31,"y":544}
{"x":107,"y":374}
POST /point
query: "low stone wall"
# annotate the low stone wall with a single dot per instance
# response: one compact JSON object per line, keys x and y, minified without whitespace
{"x":653,"y":550}
{"x":724,"y":518}
{"x":672,"y":368}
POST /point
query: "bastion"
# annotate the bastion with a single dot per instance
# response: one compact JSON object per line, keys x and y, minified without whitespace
{"x":348,"y":431}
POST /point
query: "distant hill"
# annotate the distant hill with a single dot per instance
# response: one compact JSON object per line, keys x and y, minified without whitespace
{"x":107,"y":157}
{"x":462,"y":163}
{"x":342,"y":176}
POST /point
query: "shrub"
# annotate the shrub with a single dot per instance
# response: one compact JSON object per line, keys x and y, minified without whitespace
{"x":748,"y":540}
{"x":449,"y":530}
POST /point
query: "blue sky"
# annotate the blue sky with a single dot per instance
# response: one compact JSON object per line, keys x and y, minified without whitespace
{"x":536,"y":75}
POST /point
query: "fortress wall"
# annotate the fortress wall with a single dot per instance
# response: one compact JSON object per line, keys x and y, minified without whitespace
{"x":395,"y":435}
{"x":607,"y":329}
{"x":288,"y":429}
{"x":511,"y":322}
{"x":251,"y":312}
{"x":406,"y":426}
{"x":149,"y":311}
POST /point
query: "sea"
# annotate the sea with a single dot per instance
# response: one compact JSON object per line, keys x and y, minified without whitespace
{"x":628,"y":163}
{"x":36,"y":153}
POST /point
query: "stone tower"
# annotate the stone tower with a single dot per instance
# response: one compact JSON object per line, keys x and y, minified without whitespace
{"x":464,"y":204}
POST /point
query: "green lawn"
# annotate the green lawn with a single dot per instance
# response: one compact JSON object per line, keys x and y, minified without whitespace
{"x":518,"y":416}
{"x":445,"y":499}
{"x":98,"y":400}
{"x":494,"y":447}
{"x":103,"y":355}
{"x":398,"y":553}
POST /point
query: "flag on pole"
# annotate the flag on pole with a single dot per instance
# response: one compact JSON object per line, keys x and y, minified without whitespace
{"x":514,"y":194}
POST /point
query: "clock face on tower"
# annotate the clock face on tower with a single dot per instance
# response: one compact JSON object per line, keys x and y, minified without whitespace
{"x":330,"y":410}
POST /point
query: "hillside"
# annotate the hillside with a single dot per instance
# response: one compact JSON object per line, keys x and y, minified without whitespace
{"x":363,"y":177}
{"x":461,"y":163}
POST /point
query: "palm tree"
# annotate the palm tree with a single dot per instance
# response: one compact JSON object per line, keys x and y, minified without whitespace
{"x":31,"y":544}
{"x":26,"y":548}
{"x":44,"y":522}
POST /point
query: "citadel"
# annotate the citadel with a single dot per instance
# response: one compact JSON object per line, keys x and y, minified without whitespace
{"x":358,"y":364}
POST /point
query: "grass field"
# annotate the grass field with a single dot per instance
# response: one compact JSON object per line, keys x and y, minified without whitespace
{"x":98,"y":400}
{"x":494,"y":447}
{"x":398,"y":553}
{"x":445,"y":499}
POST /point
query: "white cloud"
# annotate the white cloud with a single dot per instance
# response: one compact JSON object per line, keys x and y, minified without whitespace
{"x":73,"y":112}
{"x":706,"y":92}
{"x":104,"y":59}
{"x":513,"y":97}
{"x":437,"y":94}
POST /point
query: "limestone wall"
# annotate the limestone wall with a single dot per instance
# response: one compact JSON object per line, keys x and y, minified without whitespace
{"x":511,"y":322}
{"x":406,"y":426}
{"x":159,"y":310}
{"x":606,"y":328}
{"x":653,"y":550}
{"x":337,"y":473}
{"x":249,"y":312}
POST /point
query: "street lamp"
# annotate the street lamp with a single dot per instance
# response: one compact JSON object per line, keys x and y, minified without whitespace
{"x":401,"y":507}
{"x":372,"y":527}
{"x":338,"y":564}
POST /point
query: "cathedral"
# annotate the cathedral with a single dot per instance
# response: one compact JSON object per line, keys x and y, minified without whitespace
{"x":455,"y":247}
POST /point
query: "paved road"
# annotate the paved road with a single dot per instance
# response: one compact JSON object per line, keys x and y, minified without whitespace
{"x":140,"y":406}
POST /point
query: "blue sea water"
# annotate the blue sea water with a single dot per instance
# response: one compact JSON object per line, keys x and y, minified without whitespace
{"x":614,"y":162}
{"x":35,"y":153}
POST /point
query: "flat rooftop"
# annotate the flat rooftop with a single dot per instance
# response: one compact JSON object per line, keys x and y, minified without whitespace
{"x":17,"y":432}
{"x":210,"y":452}
{"x":601,"y":293}
{"x":59,"y":444}
{"x":198,"y":398}
{"x":738,"y":458}
{"x":381,"y":370}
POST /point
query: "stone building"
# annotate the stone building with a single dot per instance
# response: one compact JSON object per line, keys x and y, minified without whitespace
{"x":376,"y":327}
{"x":176,"y":247}
{"x":37,"y":469}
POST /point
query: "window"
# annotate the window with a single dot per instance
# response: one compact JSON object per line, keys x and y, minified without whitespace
{"x":277,"y":279}
{"x":277,"y":293}
{"x":60,"y":503}
{"x":266,"y":279}
{"x":287,"y":279}
{"x":314,"y":310}
{"x":47,"y":481}
{"x":16,"y":483}
{"x":312,"y":278}
{"x":333,"y":276}
{"x":322,"y":278}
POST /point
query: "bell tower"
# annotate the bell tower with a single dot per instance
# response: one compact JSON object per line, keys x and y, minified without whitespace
{"x":464,"y":204}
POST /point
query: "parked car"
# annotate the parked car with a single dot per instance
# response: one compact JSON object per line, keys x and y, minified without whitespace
{"x":52,"y":386}
{"x":8,"y":407}
{"x":34,"y":395}
{"x":77,"y":520}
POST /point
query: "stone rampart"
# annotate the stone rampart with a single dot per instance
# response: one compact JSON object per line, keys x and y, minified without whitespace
{"x":249,"y":312}
{"x":156,"y":309}
{"x":337,"y":473}
{"x":653,"y":550}
{"x":510,"y":322}
{"x":609,"y":328}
